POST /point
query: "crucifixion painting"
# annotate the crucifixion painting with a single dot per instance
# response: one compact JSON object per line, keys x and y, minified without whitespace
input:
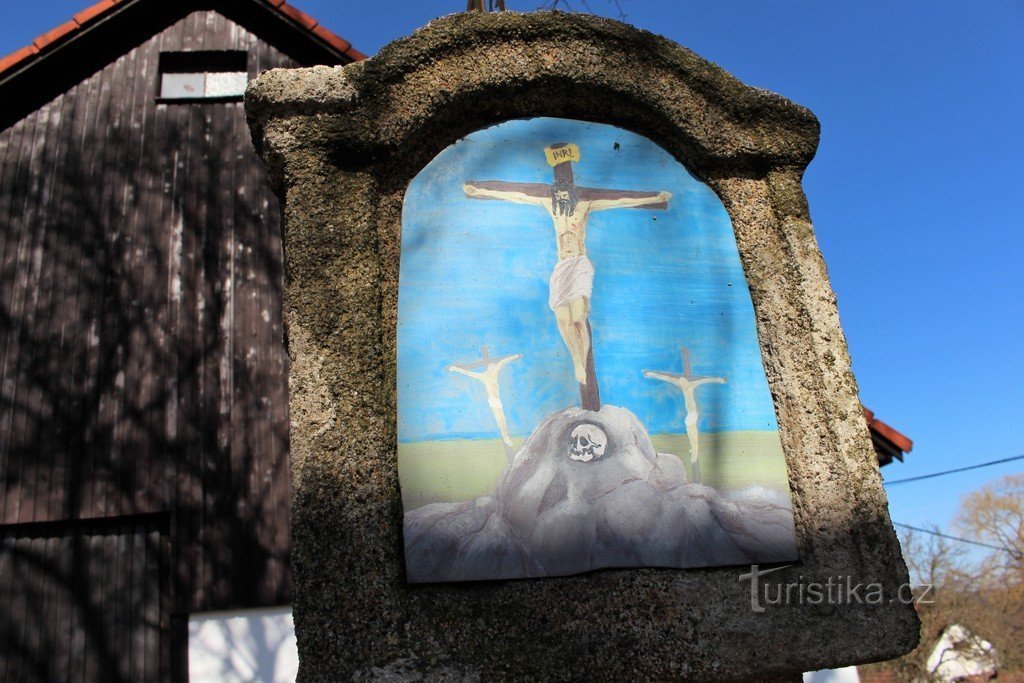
{"x":572,"y":280}
{"x":553,"y":475}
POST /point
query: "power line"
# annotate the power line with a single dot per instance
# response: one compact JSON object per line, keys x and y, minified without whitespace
{"x":1013,"y":553}
{"x":959,"y":469}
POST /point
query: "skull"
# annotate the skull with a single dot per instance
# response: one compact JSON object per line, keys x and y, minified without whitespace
{"x":587,"y":443}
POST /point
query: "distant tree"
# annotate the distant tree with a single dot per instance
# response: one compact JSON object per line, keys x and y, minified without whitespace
{"x":994,"y":514}
{"x":984,"y":595}
{"x":933,"y":560}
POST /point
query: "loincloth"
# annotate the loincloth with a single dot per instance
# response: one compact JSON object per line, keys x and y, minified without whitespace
{"x":572,"y":278}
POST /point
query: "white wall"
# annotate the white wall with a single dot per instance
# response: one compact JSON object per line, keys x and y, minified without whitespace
{"x":960,"y":654}
{"x":249,"y":645}
{"x":845,"y":675}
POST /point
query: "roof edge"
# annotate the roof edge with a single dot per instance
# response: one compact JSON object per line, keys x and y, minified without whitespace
{"x":898,"y":439}
{"x":104,"y":9}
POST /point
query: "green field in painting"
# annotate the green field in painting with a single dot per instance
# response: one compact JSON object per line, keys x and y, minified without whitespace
{"x":457,"y":470}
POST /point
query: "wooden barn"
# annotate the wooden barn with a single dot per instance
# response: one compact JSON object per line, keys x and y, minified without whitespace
{"x":143,"y":378}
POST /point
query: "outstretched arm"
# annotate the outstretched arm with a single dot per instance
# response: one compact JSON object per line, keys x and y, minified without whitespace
{"x":492,"y":189}
{"x":663,"y":376}
{"x":463,"y":371}
{"x":506,"y":360}
{"x":707,"y":380}
{"x":630,"y":202}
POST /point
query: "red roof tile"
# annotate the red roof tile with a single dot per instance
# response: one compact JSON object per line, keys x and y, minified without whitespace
{"x":298,"y":16}
{"x":22,"y":55}
{"x":90,"y":13}
{"x":900,"y":441}
{"x":67,"y":30}
{"x":55,"y":34}
{"x":339,"y":43}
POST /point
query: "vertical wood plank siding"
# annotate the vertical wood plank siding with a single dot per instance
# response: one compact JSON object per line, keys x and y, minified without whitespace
{"x":85,"y":600}
{"x":141,"y":360}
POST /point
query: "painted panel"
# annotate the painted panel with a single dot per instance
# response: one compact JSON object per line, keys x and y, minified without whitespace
{"x":580,"y":383}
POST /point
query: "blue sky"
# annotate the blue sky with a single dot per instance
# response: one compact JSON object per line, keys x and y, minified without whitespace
{"x":476,"y":273}
{"x":915,"y":192}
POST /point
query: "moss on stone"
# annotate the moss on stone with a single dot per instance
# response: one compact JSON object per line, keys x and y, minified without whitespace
{"x":341,"y":145}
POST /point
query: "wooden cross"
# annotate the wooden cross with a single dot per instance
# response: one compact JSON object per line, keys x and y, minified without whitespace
{"x":560,"y":156}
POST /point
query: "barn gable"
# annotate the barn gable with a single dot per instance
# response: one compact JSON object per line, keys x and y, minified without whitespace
{"x":143,"y":395}
{"x":99,"y":34}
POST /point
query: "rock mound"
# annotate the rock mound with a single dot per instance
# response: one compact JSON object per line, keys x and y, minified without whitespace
{"x":588,"y":491}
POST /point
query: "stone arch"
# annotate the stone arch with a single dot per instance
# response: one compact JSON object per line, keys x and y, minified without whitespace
{"x":473,"y":70}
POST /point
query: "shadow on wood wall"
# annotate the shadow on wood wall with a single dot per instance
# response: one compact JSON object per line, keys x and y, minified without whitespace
{"x":143,"y":395}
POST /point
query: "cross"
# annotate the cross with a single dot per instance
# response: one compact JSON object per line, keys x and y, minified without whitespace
{"x":688,"y":383}
{"x":484,"y":360}
{"x":572,"y":280}
{"x":492,"y":367}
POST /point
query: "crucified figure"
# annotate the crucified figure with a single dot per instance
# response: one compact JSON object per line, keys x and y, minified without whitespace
{"x":489,"y":377}
{"x":572,"y":281}
{"x":688,"y":383}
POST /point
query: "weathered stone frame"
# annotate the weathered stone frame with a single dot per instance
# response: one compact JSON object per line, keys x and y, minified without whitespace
{"x":341,"y":145}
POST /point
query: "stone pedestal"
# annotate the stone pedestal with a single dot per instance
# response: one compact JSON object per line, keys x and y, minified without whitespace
{"x":341,"y":145}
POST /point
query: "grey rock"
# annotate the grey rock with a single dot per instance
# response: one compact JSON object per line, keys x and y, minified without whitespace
{"x":551,"y":515}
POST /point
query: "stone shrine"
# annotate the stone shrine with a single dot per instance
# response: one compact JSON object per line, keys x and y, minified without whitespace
{"x":345,"y":148}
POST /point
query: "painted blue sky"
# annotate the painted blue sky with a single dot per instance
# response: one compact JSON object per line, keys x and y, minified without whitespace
{"x":914,"y":192}
{"x":476,"y":273}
